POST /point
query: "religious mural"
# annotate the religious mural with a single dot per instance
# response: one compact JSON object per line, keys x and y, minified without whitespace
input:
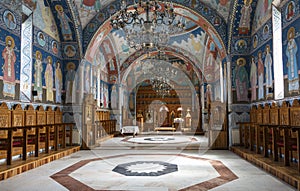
{"x":49,"y":79}
{"x":260,"y":74}
{"x":38,"y":82}
{"x":88,"y":9}
{"x":70,"y":81}
{"x":64,"y":23}
{"x":241,"y":79}
{"x":244,"y":24}
{"x":43,"y":18}
{"x":253,"y":78}
{"x":8,"y":68}
{"x":58,"y":82}
{"x":292,"y":64}
{"x":268,"y":63}
{"x":262,"y":13}
{"x":222,"y":6}
{"x":9,"y":20}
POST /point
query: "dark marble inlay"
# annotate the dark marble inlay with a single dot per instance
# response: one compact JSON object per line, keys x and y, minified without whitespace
{"x":166,"y":168}
{"x":159,"y":139}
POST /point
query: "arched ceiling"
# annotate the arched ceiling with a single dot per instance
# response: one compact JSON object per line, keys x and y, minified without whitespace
{"x":88,"y":9}
{"x":217,"y":20}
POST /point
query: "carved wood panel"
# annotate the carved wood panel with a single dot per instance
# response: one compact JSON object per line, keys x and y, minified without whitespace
{"x":30,"y":118}
{"x":266,"y":114}
{"x":295,"y":113}
{"x":253,"y":114}
{"x":58,"y":115}
{"x":284,"y":114}
{"x":50,"y":115}
{"x":274,"y":114}
{"x":41,"y":117}
{"x":18,"y":119}
{"x":259,"y":116}
{"x":5,"y":119}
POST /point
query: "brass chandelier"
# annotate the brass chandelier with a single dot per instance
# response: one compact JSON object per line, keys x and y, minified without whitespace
{"x":148,"y":24}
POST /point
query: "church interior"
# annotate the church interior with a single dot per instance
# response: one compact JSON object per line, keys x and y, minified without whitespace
{"x":149,"y":95}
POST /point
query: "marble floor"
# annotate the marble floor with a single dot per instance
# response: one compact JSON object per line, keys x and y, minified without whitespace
{"x":150,"y":163}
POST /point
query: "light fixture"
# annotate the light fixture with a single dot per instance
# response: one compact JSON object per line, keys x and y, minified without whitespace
{"x":148,"y":24}
{"x":160,"y":74}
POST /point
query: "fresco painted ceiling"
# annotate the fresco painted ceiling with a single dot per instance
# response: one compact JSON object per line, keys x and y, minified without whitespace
{"x":88,"y":9}
{"x":217,"y":23}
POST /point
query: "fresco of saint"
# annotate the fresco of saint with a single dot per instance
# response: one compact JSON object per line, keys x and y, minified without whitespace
{"x":38,"y":82}
{"x":49,"y":79}
{"x":253,"y":78}
{"x":8,"y":67}
{"x":291,"y":53}
{"x":240,"y":76}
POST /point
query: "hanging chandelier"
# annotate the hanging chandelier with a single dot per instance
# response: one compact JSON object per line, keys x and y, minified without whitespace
{"x":160,"y":74}
{"x":148,"y":24}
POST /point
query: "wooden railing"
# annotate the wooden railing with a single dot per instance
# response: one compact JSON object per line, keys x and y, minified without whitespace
{"x":105,"y":127}
{"x":54,"y":136}
{"x":274,"y":135}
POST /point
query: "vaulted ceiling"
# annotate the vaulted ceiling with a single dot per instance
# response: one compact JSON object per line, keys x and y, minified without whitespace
{"x":214,"y":23}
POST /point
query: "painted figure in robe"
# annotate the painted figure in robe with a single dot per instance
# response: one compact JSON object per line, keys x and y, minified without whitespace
{"x":244,"y":25}
{"x":49,"y":79}
{"x":260,"y":72}
{"x":8,"y":67}
{"x":253,"y":78}
{"x":38,"y":82}
{"x":291,"y":53}
{"x":64,"y":23}
{"x":70,"y":77}
{"x":269,"y":73}
{"x":58,"y":82}
{"x":240,"y":75}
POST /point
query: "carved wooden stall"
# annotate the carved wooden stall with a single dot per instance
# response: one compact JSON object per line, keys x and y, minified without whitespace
{"x":218,"y":137}
{"x":258,"y":130}
{"x":5,"y":121}
{"x":274,"y":123}
{"x":18,"y":118}
{"x":294,"y":142}
{"x":283,"y":132}
{"x":266,"y":142}
{"x":59,"y":138}
{"x":252,"y":127}
{"x":40,"y":132}
{"x":50,"y":120}
{"x":30,"y":119}
{"x":88,"y":131}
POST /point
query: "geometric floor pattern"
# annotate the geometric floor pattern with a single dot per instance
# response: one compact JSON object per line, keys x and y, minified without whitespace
{"x":222,"y":174}
{"x":189,"y":167}
{"x":145,"y":168}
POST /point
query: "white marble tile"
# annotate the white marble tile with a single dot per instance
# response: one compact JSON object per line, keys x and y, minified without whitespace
{"x":99,"y":174}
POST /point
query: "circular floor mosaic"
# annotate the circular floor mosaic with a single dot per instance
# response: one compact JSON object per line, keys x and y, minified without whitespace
{"x":160,"y":139}
{"x":145,"y":168}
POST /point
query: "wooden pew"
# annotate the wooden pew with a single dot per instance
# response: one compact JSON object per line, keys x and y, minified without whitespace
{"x":5,"y":121}
{"x":295,"y":125}
{"x":252,"y":127}
{"x":40,"y":133}
{"x":59,"y":137}
{"x":283,"y":133}
{"x":258,"y":130}
{"x":265,"y":129}
{"x":274,"y":122}
{"x":18,"y":118}
{"x":50,"y":120}
{"x":30,"y":120}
